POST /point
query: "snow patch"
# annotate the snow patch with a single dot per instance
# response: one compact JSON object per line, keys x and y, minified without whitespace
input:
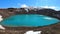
{"x":1,"y":27}
{"x":1,"y":18}
{"x":33,"y":32}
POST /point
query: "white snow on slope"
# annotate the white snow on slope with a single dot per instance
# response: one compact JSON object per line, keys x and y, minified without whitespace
{"x":1,"y":27}
{"x":33,"y":32}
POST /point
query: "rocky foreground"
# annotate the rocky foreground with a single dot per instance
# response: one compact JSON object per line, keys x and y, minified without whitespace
{"x":49,"y":29}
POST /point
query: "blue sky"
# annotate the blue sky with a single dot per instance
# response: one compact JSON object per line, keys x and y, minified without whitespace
{"x":18,"y":3}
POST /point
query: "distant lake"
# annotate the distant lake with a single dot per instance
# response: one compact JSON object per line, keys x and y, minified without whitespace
{"x":28,"y":20}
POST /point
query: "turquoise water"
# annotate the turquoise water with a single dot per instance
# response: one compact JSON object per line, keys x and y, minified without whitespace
{"x":28,"y":20}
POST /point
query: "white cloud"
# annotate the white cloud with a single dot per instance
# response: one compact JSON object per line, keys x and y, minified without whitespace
{"x":24,"y":5}
{"x":52,"y":7}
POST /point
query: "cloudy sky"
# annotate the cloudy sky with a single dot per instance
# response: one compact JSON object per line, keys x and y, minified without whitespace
{"x":39,"y":3}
